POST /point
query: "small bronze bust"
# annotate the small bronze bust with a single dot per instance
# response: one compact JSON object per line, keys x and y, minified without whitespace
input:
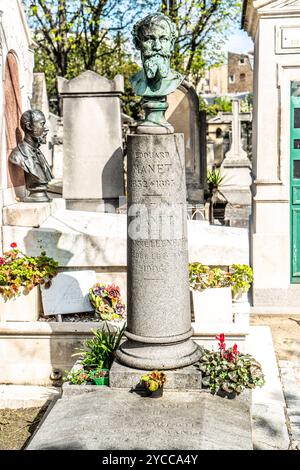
{"x":28,"y":156}
{"x":155,"y":37}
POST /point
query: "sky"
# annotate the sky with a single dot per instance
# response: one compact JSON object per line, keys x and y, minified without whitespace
{"x":239,"y":42}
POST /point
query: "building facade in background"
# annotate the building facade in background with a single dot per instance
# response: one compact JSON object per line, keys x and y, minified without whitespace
{"x":236,"y":76}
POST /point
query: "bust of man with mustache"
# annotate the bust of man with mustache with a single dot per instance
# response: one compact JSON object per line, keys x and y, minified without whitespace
{"x":28,"y":156}
{"x":155,"y":36}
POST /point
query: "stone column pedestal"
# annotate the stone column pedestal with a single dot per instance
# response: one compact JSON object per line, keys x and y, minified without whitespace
{"x":159,"y":315}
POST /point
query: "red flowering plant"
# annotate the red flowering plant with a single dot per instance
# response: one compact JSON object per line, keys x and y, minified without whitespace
{"x":228,"y":370}
{"x":107,"y":302}
{"x":20,"y":273}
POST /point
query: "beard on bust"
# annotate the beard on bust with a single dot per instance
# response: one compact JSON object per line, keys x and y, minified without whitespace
{"x":156,"y":65}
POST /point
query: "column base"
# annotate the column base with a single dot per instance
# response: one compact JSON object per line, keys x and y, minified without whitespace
{"x":147,"y":356}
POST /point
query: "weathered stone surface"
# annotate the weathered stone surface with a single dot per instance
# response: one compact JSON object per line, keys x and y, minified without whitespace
{"x":158,"y":298}
{"x":178,"y":420}
{"x":30,"y":215}
{"x":187,"y":378}
{"x":93,"y":158}
{"x":69,"y":293}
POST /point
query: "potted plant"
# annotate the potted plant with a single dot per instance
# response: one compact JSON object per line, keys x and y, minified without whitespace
{"x":20,"y":275}
{"x":100,"y":376}
{"x":227,"y":372}
{"x":241,"y":277}
{"x":153,"y":383}
{"x":107,"y":302}
{"x":217,"y":200}
{"x":212,"y":301}
{"x":97,"y":355}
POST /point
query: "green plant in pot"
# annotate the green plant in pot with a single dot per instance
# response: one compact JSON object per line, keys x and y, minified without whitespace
{"x":153,"y":382}
{"x":227,"y":372}
{"x":98,"y":353}
{"x":217,"y":200}
{"x":100,"y":376}
{"x":241,"y":277}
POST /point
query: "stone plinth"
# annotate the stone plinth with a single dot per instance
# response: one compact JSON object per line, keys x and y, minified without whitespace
{"x":159,"y":324}
{"x":187,"y":378}
{"x":93,"y":157}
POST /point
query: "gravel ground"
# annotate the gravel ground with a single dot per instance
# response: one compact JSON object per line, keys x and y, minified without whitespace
{"x":16,"y":426}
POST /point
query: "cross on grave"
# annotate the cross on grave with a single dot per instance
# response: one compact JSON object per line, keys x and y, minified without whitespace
{"x":236,"y":152}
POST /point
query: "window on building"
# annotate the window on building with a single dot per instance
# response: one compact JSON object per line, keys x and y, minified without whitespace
{"x":231,"y":78}
{"x":242,"y":77}
{"x":242,"y":60}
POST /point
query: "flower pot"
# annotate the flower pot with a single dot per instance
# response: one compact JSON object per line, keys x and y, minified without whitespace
{"x":101,"y":380}
{"x":213,"y":305}
{"x":157,"y":394}
{"x":25,"y":307}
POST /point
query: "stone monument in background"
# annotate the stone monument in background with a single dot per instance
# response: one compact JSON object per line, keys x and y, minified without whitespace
{"x":159,"y":320}
{"x":184,"y":115}
{"x":93,"y":178}
{"x":236,"y":168}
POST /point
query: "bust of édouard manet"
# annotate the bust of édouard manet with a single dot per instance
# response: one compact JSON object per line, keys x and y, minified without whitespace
{"x":155,"y":36}
{"x":28,"y":156}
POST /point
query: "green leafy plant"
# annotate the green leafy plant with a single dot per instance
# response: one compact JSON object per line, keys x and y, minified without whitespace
{"x":241,"y":277}
{"x":214,"y":178}
{"x":21,"y":273}
{"x":203,"y":277}
{"x":153,"y":380}
{"x":228,"y":370}
{"x":78,"y":377}
{"x":107,"y":302}
{"x":99,"y":352}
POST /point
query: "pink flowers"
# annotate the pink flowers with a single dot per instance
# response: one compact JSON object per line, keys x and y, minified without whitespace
{"x":113,"y":291}
{"x":2,"y":261}
{"x":230,"y":354}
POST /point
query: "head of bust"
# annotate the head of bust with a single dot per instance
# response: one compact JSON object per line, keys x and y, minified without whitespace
{"x":33,"y":123}
{"x":155,"y":36}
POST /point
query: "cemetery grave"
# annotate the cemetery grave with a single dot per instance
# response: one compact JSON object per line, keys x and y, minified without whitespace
{"x":116,"y":208}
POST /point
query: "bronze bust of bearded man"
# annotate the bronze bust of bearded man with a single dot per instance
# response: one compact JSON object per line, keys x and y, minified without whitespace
{"x":155,"y":37}
{"x":28,"y":156}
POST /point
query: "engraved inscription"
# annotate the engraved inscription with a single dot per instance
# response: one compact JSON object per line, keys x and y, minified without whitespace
{"x":152,"y":170}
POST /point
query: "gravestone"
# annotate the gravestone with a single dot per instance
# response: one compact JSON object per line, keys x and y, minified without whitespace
{"x":184,"y":115}
{"x":68,"y":293}
{"x":236,"y":168}
{"x":93,"y":159}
